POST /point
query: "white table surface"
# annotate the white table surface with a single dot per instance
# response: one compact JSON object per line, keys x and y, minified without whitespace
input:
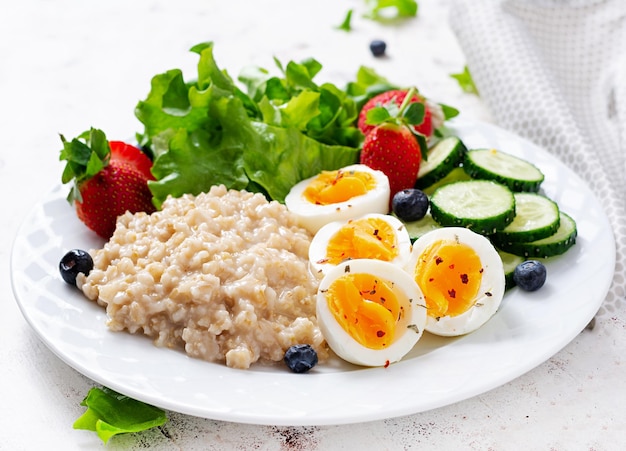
{"x":66,"y":65}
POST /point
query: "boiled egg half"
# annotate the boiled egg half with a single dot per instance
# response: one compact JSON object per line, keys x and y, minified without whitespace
{"x":371,"y":312}
{"x":338,"y":195}
{"x":373,"y":236}
{"x":461,"y":276}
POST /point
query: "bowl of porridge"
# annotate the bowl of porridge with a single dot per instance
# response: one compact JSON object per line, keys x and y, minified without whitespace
{"x":223,"y":275}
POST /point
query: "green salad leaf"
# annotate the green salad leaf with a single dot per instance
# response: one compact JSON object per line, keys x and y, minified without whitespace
{"x":279,"y":128}
{"x":323,"y":112}
{"x":271,"y":163}
{"x":367,"y":84}
{"x":110,"y":413}
{"x":285,"y":128}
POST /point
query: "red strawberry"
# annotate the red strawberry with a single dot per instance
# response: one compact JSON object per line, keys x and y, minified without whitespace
{"x":110,"y":178}
{"x":394,"y":150}
{"x":392,"y":100}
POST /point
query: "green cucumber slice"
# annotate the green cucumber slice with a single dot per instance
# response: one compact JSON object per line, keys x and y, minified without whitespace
{"x":509,"y":262}
{"x":456,"y":175}
{"x":418,"y":228}
{"x":556,"y":244}
{"x":444,"y":156}
{"x":483,"y":206}
{"x":536,"y":217}
{"x":514,"y":172}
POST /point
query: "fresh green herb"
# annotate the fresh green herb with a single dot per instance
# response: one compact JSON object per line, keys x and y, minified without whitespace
{"x":465,"y":80}
{"x":284,"y":129}
{"x":390,"y":10}
{"x":109,"y":413}
{"x":346,"y":25}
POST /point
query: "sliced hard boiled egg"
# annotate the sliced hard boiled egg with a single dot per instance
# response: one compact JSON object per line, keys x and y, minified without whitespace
{"x":370,"y":312}
{"x":461,"y":276}
{"x":374,"y":236}
{"x":338,"y":195}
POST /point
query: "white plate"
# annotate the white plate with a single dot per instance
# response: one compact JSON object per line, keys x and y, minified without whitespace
{"x":528,"y":329}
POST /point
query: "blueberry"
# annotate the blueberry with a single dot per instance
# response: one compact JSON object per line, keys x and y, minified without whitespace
{"x":530,"y":275}
{"x":300,"y":358}
{"x":410,"y":204}
{"x":74,"y":262}
{"x":378,"y":47}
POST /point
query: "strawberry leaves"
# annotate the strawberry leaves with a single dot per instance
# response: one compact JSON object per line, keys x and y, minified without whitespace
{"x":109,"y":178}
{"x":412,"y":115}
{"x":407,"y":114}
{"x":86,"y":155}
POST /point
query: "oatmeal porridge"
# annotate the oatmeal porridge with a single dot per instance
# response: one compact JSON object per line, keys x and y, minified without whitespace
{"x":223,"y":275}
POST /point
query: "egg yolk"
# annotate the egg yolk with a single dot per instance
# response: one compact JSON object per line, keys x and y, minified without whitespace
{"x":362,"y":238}
{"x":331,"y":187}
{"x":366,"y":307}
{"x":449,"y":274}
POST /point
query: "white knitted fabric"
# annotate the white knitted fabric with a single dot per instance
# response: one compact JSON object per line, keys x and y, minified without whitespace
{"x":554,"y":72}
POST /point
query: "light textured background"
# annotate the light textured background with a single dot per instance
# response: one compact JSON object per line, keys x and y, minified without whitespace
{"x":66,"y":65}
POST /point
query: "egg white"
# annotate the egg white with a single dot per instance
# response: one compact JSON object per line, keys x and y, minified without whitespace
{"x":313,"y":217}
{"x":408,"y":332}
{"x":319,"y":244}
{"x":490,"y":293}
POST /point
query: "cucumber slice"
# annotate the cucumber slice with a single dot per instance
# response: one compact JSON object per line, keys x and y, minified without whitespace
{"x":418,"y":228}
{"x":556,"y":244}
{"x":514,"y":172}
{"x":483,"y":206}
{"x":536,"y":217}
{"x":442,"y":158}
{"x":456,"y":175}
{"x":509,"y":262}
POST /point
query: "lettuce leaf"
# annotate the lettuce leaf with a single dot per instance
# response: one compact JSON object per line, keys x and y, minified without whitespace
{"x":368,"y":84}
{"x":110,"y":413}
{"x":271,"y":162}
{"x":284,"y":129}
{"x":248,"y":155}
{"x":323,"y":112}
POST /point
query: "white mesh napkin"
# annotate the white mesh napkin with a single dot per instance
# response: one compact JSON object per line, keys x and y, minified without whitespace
{"x":554,"y":72}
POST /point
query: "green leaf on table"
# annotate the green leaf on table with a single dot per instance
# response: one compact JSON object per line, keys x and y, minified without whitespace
{"x":465,"y":81}
{"x":110,"y":413}
{"x":390,"y":10}
{"x":346,"y":25}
